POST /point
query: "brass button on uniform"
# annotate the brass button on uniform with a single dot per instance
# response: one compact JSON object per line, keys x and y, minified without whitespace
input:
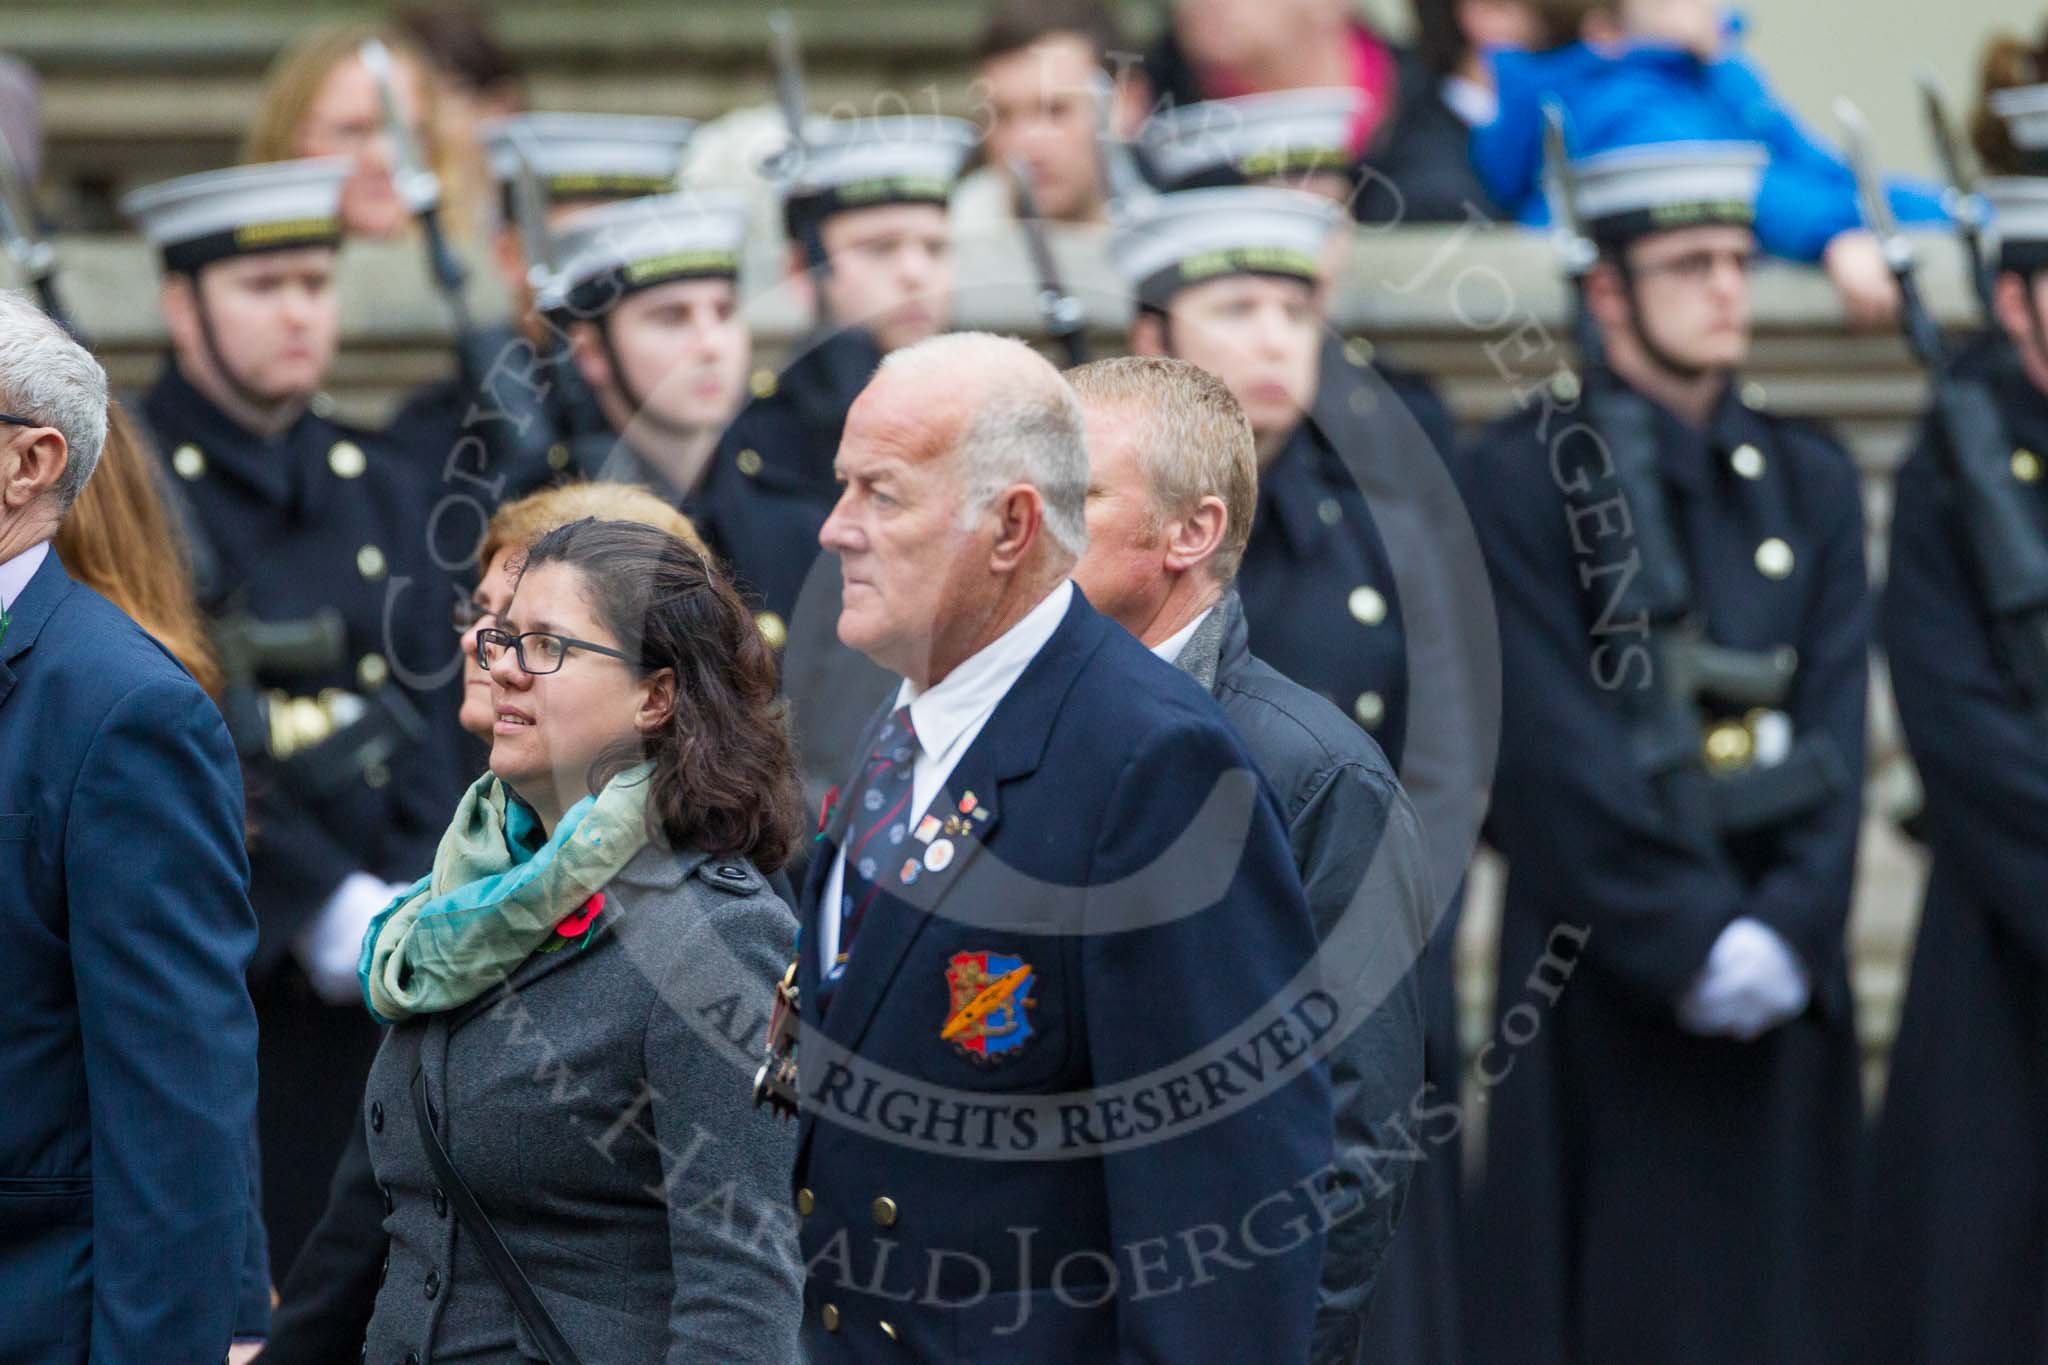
{"x":321,"y":404}
{"x":1565,"y":387}
{"x":558,"y":457}
{"x":371,"y":672}
{"x":370,"y":563}
{"x":189,"y":461}
{"x":347,"y":460}
{"x":1747,"y":461}
{"x":1329,"y":511}
{"x":762,"y":382}
{"x":376,"y":776}
{"x":1729,"y":747}
{"x":885,"y":1212}
{"x":773,"y":629}
{"x":806,"y":1202}
{"x":2026,"y":466}
{"x":1755,"y":396}
{"x":749,"y":461}
{"x":1370,"y":709}
{"x":1359,"y":351}
{"x":1368,"y":605}
{"x":1774,"y":559}
{"x":889,"y":1330}
{"x":829,"y":1315}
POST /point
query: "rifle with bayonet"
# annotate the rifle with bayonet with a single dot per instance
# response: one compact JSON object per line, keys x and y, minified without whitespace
{"x":1667,"y":716}
{"x":1124,"y":187}
{"x":34,"y":258}
{"x":1959,"y":192}
{"x":1065,"y":320}
{"x":785,"y":53}
{"x":507,"y":413}
{"x":2010,"y":553}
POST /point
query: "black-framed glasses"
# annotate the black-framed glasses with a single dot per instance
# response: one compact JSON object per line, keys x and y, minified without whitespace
{"x":539,"y":652}
{"x":11,"y":420}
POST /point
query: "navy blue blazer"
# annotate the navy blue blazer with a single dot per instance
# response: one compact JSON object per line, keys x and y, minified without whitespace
{"x":1074,"y":1174}
{"x":130,"y":1065}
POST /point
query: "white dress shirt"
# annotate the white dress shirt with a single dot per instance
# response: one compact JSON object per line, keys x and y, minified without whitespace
{"x":947,"y":716}
{"x":1169,"y":649}
{"x":16,"y":572}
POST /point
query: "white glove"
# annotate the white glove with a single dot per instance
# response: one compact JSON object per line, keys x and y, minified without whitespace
{"x":1752,"y":983}
{"x":332,"y":941}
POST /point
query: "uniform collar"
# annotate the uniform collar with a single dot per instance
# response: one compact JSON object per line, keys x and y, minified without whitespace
{"x":1292,"y":493}
{"x":944,"y":712}
{"x":182,"y":415}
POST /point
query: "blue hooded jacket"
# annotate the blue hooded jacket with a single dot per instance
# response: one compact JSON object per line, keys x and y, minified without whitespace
{"x":1648,"y":93}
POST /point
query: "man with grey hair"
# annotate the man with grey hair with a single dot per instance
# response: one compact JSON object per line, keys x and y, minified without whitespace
{"x":1060,"y":1077}
{"x":124,"y":900}
{"x":1173,"y":480}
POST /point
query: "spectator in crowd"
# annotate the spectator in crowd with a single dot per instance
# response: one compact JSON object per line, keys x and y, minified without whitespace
{"x":319,"y":99}
{"x":1453,"y":38}
{"x":2009,"y":63}
{"x":21,"y":116}
{"x":601,"y":888}
{"x":325,"y":1301}
{"x":1037,"y":69}
{"x":123,"y":540}
{"x":1226,"y":49}
{"x":1649,"y":71}
{"x":130,"y":1073}
{"x":475,"y":80}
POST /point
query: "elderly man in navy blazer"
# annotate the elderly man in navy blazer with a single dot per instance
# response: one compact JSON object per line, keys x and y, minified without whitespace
{"x":130,"y":1065}
{"x":1061,"y":1078}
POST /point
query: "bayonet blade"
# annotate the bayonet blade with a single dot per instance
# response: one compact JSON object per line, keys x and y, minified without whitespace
{"x":416,"y":184}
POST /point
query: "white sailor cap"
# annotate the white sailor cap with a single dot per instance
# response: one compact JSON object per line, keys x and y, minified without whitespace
{"x":1630,"y":192}
{"x":2025,"y":111}
{"x":590,"y":156}
{"x":2019,"y":221}
{"x":1191,"y":236}
{"x":613,"y":250}
{"x":1277,"y":136}
{"x":275,"y":206}
{"x":865,"y":162}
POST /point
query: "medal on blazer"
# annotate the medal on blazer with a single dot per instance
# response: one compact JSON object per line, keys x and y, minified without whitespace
{"x":989,"y":1017}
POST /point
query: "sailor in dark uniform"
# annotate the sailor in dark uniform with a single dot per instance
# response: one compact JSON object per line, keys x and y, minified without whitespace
{"x":871,"y":251}
{"x":1952,"y":1264}
{"x":1672,"y":1083}
{"x":1232,"y":279}
{"x":331,"y":619}
{"x":579,"y":161}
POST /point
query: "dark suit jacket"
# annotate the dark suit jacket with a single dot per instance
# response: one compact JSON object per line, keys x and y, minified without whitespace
{"x":963,"y":1198}
{"x":130,"y":1065}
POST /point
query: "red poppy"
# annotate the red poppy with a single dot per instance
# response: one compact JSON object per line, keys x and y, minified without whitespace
{"x":579,"y":921}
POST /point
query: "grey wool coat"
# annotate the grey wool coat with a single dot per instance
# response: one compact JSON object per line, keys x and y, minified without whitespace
{"x":599,"y":1106}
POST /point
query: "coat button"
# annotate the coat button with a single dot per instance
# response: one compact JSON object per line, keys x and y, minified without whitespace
{"x":1368,"y":606}
{"x":1755,"y":396}
{"x":885,"y":1212}
{"x":440,"y":1202}
{"x":1359,"y":352}
{"x":1774,"y":559}
{"x":2026,"y":466}
{"x":389,"y":1202}
{"x":189,"y":461}
{"x":376,"y":1117}
{"x":749,"y":461}
{"x":762,"y":382}
{"x":432,"y":1284}
{"x":806,"y":1202}
{"x":370,"y":563}
{"x":1747,"y":461}
{"x":829,"y":1315}
{"x":347,"y":460}
{"x":1329,"y":511}
{"x":1369,"y":710}
{"x":774,"y":630}
{"x":371,"y":672}
{"x":558,"y":457}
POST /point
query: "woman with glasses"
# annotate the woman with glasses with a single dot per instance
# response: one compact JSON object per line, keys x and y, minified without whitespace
{"x":571,"y":988}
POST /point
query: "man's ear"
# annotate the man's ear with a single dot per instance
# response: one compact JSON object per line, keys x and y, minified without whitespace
{"x":1148,"y":334}
{"x":178,"y":299}
{"x":657,"y":701}
{"x":591,"y":361}
{"x":2009,"y":301}
{"x":796,"y":275}
{"x":1197,"y":536}
{"x":1606,"y":296}
{"x":1020,"y":520}
{"x":33,"y":462}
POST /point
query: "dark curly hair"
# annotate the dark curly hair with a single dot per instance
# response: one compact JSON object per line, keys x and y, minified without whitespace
{"x":725,"y":777}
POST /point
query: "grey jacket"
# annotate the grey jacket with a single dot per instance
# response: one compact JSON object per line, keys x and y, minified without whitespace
{"x":1355,"y":837}
{"x":599,"y":1106}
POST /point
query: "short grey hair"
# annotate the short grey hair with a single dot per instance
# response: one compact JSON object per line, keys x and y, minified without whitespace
{"x":1025,"y":426}
{"x":47,"y":377}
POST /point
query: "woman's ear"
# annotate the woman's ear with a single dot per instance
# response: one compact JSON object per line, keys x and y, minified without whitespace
{"x":657,"y":701}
